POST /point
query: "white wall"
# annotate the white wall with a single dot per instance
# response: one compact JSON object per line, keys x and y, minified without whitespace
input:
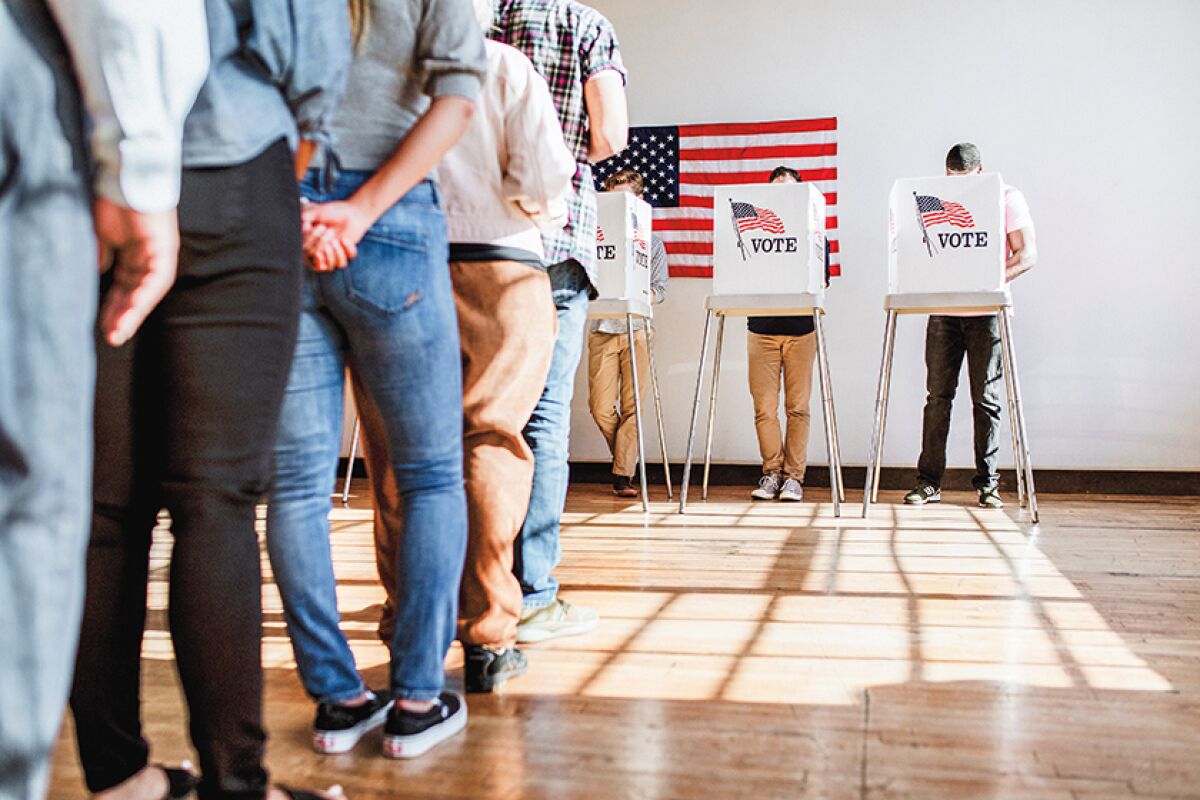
{"x":1092,"y":108}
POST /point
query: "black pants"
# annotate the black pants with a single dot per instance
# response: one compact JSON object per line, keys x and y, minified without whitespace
{"x":947,"y":339}
{"x":186,"y":416}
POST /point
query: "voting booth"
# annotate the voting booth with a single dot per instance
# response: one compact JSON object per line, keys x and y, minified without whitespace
{"x":946,"y":234}
{"x":623,"y":285}
{"x":769,"y":239}
{"x":769,"y":256}
{"x":623,"y":247}
{"x":947,"y":246}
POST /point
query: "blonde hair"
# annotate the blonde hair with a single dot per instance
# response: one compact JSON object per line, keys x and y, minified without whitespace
{"x":360,"y":20}
{"x":485,"y":13}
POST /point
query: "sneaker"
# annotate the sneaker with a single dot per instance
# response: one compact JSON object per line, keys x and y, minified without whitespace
{"x":409,"y":735}
{"x":338,"y":728}
{"x":768,"y":487}
{"x":922,"y":494}
{"x":485,"y":669}
{"x":792,"y":491}
{"x":990,"y":498}
{"x":560,"y":618}
{"x":623,"y":486}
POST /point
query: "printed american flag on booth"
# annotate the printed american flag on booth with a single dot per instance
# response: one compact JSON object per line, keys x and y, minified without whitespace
{"x":750,"y":218}
{"x":683,"y":163}
{"x":935,"y":211}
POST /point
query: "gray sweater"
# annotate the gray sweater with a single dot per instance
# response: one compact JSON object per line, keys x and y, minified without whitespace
{"x":414,"y":50}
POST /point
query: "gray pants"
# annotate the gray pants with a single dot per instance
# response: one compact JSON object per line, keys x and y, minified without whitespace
{"x":47,"y":308}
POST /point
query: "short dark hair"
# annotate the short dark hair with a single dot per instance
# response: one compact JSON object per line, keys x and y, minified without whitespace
{"x":626,"y":177}
{"x":963,"y":157}
{"x":785,"y":172}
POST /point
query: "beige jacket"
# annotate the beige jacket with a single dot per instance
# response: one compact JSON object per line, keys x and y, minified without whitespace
{"x":508,"y":178}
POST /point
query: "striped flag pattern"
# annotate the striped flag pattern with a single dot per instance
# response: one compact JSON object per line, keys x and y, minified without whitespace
{"x":684,"y":164}
{"x":750,"y":218}
{"x":935,"y":211}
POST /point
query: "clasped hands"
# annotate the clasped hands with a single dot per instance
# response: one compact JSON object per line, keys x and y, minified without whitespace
{"x":332,"y":232}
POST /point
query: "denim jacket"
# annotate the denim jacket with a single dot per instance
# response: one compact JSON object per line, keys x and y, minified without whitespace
{"x":279,"y":69}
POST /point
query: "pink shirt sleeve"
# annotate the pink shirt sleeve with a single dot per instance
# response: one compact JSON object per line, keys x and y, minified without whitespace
{"x":1016,"y":211}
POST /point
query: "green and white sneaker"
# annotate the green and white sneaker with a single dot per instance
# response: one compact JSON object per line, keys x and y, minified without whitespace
{"x":923,"y":493}
{"x":560,"y":618}
{"x":990,"y":498}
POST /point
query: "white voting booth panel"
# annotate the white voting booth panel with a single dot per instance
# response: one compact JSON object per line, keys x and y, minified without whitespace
{"x":623,"y":247}
{"x":946,"y":234}
{"x":769,"y":239}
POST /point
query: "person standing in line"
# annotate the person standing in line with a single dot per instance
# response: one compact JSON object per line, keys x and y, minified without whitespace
{"x":505,"y":183}
{"x":136,"y":69}
{"x":610,"y":381}
{"x":950,"y":337}
{"x":781,"y":350}
{"x":575,"y":49}
{"x":186,"y":412}
{"x":379,"y":299}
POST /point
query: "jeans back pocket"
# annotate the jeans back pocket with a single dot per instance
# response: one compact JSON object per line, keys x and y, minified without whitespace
{"x":391,"y":271}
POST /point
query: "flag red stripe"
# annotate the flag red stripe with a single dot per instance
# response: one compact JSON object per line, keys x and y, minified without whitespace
{"x":753,"y":128}
{"x":705,"y":223}
{"x":689,"y":248}
{"x":690,"y":272}
{"x":678,"y":224}
{"x":728,"y":178}
{"x":698,"y":201}
{"x":776,"y":151}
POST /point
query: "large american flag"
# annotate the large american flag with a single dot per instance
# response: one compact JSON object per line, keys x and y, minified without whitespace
{"x":683,"y":163}
{"x":935,"y":211}
{"x":751,"y":218}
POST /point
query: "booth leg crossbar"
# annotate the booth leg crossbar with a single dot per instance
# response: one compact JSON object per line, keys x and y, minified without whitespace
{"x":1026,"y":493}
{"x":832,"y":448}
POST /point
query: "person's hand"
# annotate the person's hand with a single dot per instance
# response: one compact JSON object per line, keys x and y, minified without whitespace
{"x":332,"y":232}
{"x":143,"y":251}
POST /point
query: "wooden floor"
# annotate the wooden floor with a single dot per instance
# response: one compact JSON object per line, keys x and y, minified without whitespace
{"x":772,"y":651}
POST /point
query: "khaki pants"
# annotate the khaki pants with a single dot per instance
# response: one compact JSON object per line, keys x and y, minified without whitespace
{"x":610,"y":393}
{"x":507,"y":325}
{"x":769,"y":357}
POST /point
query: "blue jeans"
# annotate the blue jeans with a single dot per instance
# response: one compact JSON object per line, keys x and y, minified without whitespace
{"x":47,"y":356}
{"x":390,"y":317}
{"x":537,"y":550}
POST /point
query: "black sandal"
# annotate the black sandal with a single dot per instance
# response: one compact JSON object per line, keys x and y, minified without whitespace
{"x":180,"y":782}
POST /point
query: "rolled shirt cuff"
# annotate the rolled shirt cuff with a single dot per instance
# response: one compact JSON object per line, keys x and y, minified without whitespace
{"x":144,"y":176}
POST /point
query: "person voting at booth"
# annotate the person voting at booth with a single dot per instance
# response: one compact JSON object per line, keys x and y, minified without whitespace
{"x":781,"y":350}
{"x":610,"y":382}
{"x":977,"y":336}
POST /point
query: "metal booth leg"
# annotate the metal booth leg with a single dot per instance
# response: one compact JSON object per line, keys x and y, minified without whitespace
{"x":350,"y":462}
{"x":712,"y":405}
{"x":662,"y":430}
{"x":835,"y":490}
{"x":1023,"y":435}
{"x":887,"y":398}
{"x":1012,"y":422}
{"x":637,"y":410}
{"x":837,"y":442}
{"x":874,"y":457}
{"x":687,"y":463}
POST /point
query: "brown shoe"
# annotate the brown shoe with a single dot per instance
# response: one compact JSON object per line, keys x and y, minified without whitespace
{"x":623,"y":486}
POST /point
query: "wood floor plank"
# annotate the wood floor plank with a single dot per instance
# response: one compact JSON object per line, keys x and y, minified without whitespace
{"x":775,"y":651}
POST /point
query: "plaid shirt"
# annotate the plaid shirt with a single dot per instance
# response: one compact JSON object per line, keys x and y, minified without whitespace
{"x":569,"y":44}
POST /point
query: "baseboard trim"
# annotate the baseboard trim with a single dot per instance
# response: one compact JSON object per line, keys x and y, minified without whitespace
{"x":1050,"y":481}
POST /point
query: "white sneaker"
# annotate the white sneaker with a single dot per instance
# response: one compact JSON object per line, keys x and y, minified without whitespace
{"x":560,"y":618}
{"x":768,"y":487}
{"x":792,"y":491}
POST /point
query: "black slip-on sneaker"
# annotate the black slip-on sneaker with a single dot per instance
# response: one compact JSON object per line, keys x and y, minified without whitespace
{"x":408,"y":735}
